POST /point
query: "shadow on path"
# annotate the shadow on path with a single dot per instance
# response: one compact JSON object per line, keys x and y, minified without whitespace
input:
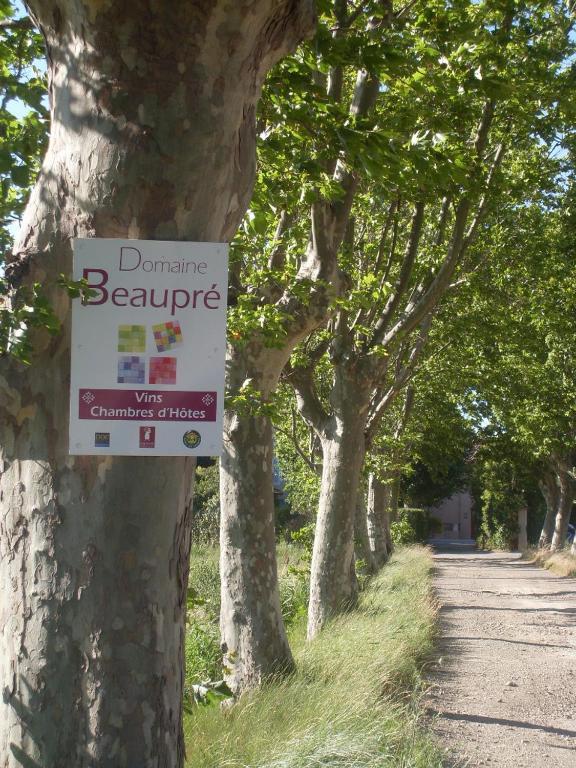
{"x":504,"y":665}
{"x":502,"y":721}
{"x":446,"y":638}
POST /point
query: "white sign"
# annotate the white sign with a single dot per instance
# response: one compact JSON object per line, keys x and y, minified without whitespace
{"x":148,"y":348}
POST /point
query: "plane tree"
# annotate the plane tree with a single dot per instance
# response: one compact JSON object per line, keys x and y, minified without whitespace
{"x":318,"y":137}
{"x":520,"y":356}
{"x":410,"y":239}
{"x":152,"y":136}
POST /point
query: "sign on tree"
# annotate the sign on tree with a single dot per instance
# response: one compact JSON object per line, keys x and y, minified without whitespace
{"x":148,"y":348}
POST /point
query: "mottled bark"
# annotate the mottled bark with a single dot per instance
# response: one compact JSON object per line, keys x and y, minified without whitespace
{"x":253,"y":635}
{"x":378,"y":519}
{"x":152,"y":137}
{"x":252,"y":630}
{"x":549,"y":488}
{"x":567,"y":488}
{"x":333,"y":583}
{"x":363,"y":549}
{"x":394,"y":496}
{"x":257,"y":653}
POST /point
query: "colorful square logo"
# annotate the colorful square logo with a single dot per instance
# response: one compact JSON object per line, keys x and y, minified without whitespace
{"x":167,"y":335}
{"x":131,"y":370}
{"x":102,"y":439}
{"x":162,"y":370}
{"x":147,"y":437}
{"x":131,"y":338}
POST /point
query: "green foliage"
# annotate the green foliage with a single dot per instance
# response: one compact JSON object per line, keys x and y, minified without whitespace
{"x":513,"y":341}
{"x":206,"y":506}
{"x":501,"y":500}
{"x":402,"y":532}
{"x":301,"y":483}
{"x":305,"y":538}
{"x":21,"y":311}
{"x":428,"y":485}
{"x":204,"y":580}
{"x":411,"y":526}
{"x":23,"y":115}
{"x":247,"y":400}
{"x":210,"y":694}
{"x":294,"y":579}
{"x":203,"y":657}
{"x":354,"y":698}
{"x":23,"y":136}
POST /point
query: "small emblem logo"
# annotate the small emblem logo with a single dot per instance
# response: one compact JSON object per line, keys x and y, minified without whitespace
{"x":88,"y":397}
{"x":147,"y":437}
{"x":102,"y":439}
{"x":191,"y":439}
{"x":207,"y":399}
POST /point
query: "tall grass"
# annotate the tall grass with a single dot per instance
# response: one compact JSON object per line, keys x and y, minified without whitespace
{"x":354,"y":699}
{"x":203,"y":655}
{"x":561,"y":563}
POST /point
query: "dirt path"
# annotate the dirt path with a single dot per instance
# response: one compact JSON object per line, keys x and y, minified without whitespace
{"x":505,"y":684}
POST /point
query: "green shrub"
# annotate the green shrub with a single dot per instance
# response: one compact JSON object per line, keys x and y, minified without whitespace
{"x":294,"y":590}
{"x":411,"y":526}
{"x":402,"y":532}
{"x":206,"y":506}
{"x":304,"y":538}
{"x":204,"y":580}
{"x":203,"y":654}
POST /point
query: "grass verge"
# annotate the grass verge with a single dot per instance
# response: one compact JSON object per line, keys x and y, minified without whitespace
{"x":354,"y":698}
{"x":560,"y":563}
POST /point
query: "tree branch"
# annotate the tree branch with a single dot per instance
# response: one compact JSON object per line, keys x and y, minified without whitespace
{"x":426,"y":300}
{"x":402,"y":377}
{"x":483,"y":206}
{"x":309,"y":404}
{"x":294,"y":440}
{"x":278,"y":256}
{"x":23,"y":23}
{"x":404,"y":278}
{"x":401,"y":12}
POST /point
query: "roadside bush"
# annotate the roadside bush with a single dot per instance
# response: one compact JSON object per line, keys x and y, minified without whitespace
{"x":203,"y":656}
{"x":206,"y":506}
{"x":411,"y":526}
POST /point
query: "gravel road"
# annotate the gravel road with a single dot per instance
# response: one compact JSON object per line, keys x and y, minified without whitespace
{"x":503,"y":688}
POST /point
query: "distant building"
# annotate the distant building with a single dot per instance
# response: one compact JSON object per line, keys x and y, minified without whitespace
{"x":455,"y":516}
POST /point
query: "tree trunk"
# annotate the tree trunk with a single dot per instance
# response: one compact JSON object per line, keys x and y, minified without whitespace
{"x":549,"y":488}
{"x":253,"y":635}
{"x":394,"y":499}
{"x":565,"y":503}
{"x":361,"y":535}
{"x":333,"y":585}
{"x":152,"y":137}
{"x":378,"y":519}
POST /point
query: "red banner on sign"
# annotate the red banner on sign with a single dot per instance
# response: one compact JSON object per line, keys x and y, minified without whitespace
{"x":148,"y":405}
